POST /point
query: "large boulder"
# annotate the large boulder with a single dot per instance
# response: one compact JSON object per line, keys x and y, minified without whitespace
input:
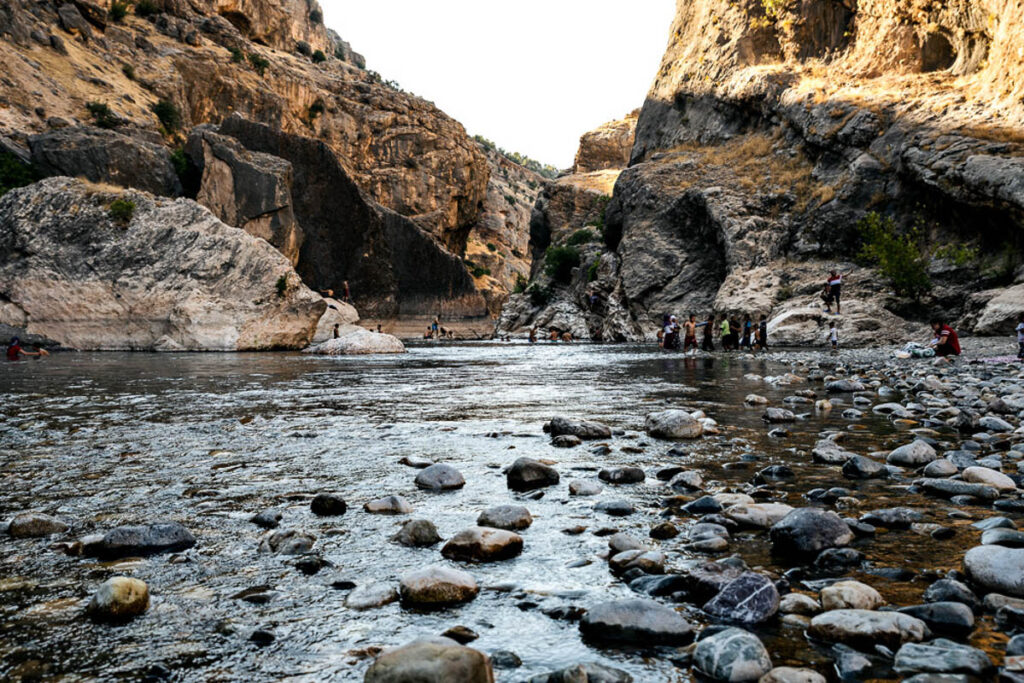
{"x":148,"y":539}
{"x":864,"y":629}
{"x":732,"y":655}
{"x":807,"y":531}
{"x":161,"y":275}
{"x":249,"y":190}
{"x":353,"y":340}
{"x":125,"y":158}
{"x":996,"y":568}
{"x":483,"y":544}
{"x":606,"y":147}
{"x":430,"y":660}
{"x":338,"y":313}
{"x":636,"y":621}
{"x":673,"y":424}
{"x":526,"y":474}
{"x":436,"y":586}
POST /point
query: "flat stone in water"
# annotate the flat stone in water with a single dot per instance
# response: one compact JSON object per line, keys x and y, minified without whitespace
{"x":913,"y":454}
{"x":440,"y":477}
{"x":1011,"y":538}
{"x":371,"y":595}
{"x":622,"y":475}
{"x":892,"y":518}
{"x":287,"y":542}
{"x":615,"y":508}
{"x":436,"y":586}
{"x":389,"y":505}
{"x":749,"y":599}
{"x":589,"y":672}
{"x":510,"y":517}
{"x":951,"y":487}
{"x":758,"y":515}
{"x":942,"y":656}
{"x":949,"y":618}
{"x":864,"y":629}
{"x":430,"y":659}
{"x":583,"y":429}
{"x":583,"y":487}
{"x":35,"y":525}
{"x":636,"y":621}
{"x":731,"y":655}
{"x":808,"y":531}
{"x":144,"y":540}
{"x":673,"y":424}
{"x":996,"y":568}
{"x":483,"y":544}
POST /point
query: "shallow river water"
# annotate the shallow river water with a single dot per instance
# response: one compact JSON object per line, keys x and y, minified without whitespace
{"x":208,"y":440}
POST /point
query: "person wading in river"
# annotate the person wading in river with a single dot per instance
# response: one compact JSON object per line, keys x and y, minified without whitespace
{"x":15,"y":350}
{"x":762,"y":333}
{"x":690,"y":334}
{"x":709,"y":334}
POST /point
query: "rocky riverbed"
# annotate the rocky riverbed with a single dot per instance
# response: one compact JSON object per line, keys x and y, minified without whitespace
{"x":293,"y":516}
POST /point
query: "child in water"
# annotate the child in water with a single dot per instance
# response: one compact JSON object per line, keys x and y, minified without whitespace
{"x":833,"y":336}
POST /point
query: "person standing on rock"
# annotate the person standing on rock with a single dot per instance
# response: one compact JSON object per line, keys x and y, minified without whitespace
{"x":709,"y":334}
{"x":690,"y":335}
{"x":15,"y":350}
{"x":1020,"y":337}
{"x":762,"y":333}
{"x":946,"y":342}
{"x":833,"y":289}
{"x":345,"y":293}
{"x":336,"y":333}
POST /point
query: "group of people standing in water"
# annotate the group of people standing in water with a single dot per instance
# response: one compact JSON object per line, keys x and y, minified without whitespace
{"x":732,"y":334}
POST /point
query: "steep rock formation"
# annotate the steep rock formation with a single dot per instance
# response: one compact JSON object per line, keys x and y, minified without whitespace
{"x":607,"y":147}
{"x":205,"y":59}
{"x":772,"y":128}
{"x":168,"y":277}
{"x":393,"y":267}
{"x":498,"y":246}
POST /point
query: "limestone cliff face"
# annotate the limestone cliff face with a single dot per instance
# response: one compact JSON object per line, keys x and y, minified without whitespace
{"x":271,"y":61}
{"x":773,"y":127}
{"x":607,"y":147}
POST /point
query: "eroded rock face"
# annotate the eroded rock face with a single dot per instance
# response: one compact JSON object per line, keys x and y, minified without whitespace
{"x":607,"y":147}
{"x":173,"y":277}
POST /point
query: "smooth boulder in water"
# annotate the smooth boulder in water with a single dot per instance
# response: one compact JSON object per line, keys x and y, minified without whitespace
{"x":527,"y":474}
{"x":582,"y":429}
{"x":436,"y":586}
{"x":850,"y":595}
{"x":941,"y":656}
{"x":914,"y":454}
{"x":417,"y":533}
{"x":287,"y":542}
{"x":863,"y":629}
{"x":388,"y":505}
{"x":807,"y":531}
{"x":35,"y":525}
{"x":750,"y":598}
{"x":328,"y":505}
{"x":118,"y":599}
{"x":150,"y":539}
{"x":622,"y":475}
{"x":673,"y":424}
{"x":483,"y":544}
{"x":431,"y":660}
{"x":440,"y":477}
{"x":860,"y":467}
{"x":996,"y":569}
{"x":951,"y":618}
{"x":636,"y":621}
{"x":371,"y":595}
{"x":509,"y":517}
{"x":731,"y":654}
{"x":778,"y":416}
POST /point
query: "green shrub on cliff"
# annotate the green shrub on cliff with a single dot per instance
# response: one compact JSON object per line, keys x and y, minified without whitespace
{"x":146,"y":8}
{"x":102,"y":115}
{"x":899,"y":257}
{"x":281,"y":285}
{"x":581,"y":236}
{"x":539,"y":296}
{"x":237,"y":56}
{"x":559,"y":262}
{"x":14,"y":174}
{"x":259,"y":63}
{"x":521,"y":283}
{"x":168,"y":115}
{"x":592,"y":270}
{"x":118,"y":11}
{"x":319,"y":57}
{"x":122,"y":210}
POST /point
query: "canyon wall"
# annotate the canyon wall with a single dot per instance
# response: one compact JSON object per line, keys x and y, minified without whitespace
{"x":769,"y":133}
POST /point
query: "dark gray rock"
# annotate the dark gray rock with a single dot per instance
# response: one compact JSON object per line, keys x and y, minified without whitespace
{"x":892,"y":518}
{"x":1011,"y":538}
{"x":582,"y":429}
{"x":636,"y":621}
{"x":731,"y":655}
{"x":268,"y":519}
{"x":622,"y":475}
{"x":951,"y":590}
{"x":949,"y":488}
{"x":328,"y":505}
{"x":749,"y":599}
{"x":615,"y":508}
{"x":148,"y":539}
{"x":859,"y":467}
{"x":808,"y":531}
{"x":526,"y":474}
{"x":946,"y":618}
{"x":942,"y":656}
{"x":417,"y":533}
{"x":510,"y":517}
{"x":591,"y":672}
{"x":35,"y":525}
{"x":440,"y":477}
{"x":778,"y":415}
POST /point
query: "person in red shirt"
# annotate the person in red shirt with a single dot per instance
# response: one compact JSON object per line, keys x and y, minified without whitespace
{"x":15,"y":351}
{"x":946,"y":342}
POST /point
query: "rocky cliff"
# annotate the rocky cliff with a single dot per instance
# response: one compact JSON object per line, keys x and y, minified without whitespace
{"x":110,"y":91}
{"x":773,"y":128}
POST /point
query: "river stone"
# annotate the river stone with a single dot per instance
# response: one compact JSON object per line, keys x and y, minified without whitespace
{"x":622,"y":475}
{"x":864,"y":629}
{"x":940,"y":468}
{"x":942,"y":656}
{"x":913,"y":454}
{"x":789,"y":674}
{"x":431,"y":660}
{"x":995,"y":424}
{"x":417,"y":533}
{"x":949,"y":488}
{"x":673,"y":424}
{"x":1011,"y":538}
{"x":354,"y":340}
{"x":35,"y":525}
{"x":778,"y":416}
{"x":758,"y":515}
{"x":859,"y":467}
{"x":755,"y":400}
{"x":615,"y":508}
{"x":144,"y":540}
{"x":749,"y":599}
{"x":850,"y":595}
{"x":328,"y":505}
{"x":689,"y":481}
{"x":510,"y":517}
{"x":440,"y":477}
{"x":798,"y":603}
{"x":483,"y":544}
{"x":731,"y":655}
{"x":892,"y":518}
{"x":415,"y":462}
{"x":566,"y":441}
{"x":436,"y":586}
{"x":996,"y":568}
{"x":287,"y":542}
{"x":844,"y":386}
{"x":647,"y":561}
{"x":705,"y":581}
{"x":119,"y":598}
{"x":807,"y":531}
{"x":388,"y":505}
{"x":268,"y":519}
{"x":984,"y":475}
{"x":951,"y":618}
{"x":371,"y":595}
{"x":636,"y":621}
{"x":891,"y":409}
{"x":620,"y":543}
{"x":589,"y":672}
{"x":526,"y":474}
{"x":582,"y":429}
{"x":950,"y":590}
{"x":829,"y":452}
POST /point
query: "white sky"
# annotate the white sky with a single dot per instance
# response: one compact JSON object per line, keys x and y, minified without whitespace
{"x":532,"y":75}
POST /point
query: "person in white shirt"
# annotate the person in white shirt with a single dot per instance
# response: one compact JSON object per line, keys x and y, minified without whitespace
{"x":833,"y":337}
{"x":1020,"y":337}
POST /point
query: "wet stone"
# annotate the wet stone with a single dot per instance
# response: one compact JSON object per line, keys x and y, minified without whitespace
{"x":945,"y":618}
{"x":440,"y":477}
{"x":664,"y":531}
{"x":287,"y":542}
{"x":1011,"y":538}
{"x":892,"y":518}
{"x":328,"y":505}
{"x":914,"y":454}
{"x":731,"y":655}
{"x":371,"y":595}
{"x":119,"y":599}
{"x":505,"y":659}
{"x":483,"y":544}
{"x":430,"y":659}
{"x":778,"y":415}
{"x":589,"y":672}
{"x":951,"y":590}
{"x":860,"y":467}
{"x":417,"y":533}
{"x":583,"y":487}
{"x":864,"y":629}
{"x":149,"y":539}
{"x":635,"y":621}
{"x":436,"y":586}
{"x":566,"y":441}
{"x":388,"y":505}
{"x":996,"y":568}
{"x":35,"y":525}
{"x":751,"y":598}
{"x":942,"y":656}
{"x":416,"y":463}
{"x":461,"y":634}
{"x":673,"y":424}
{"x":615,"y":508}
{"x":268,"y":519}
{"x":582,"y":429}
{"x":622,"y":475}
{"x":808,"y":531}
{"x":526,"y":474}
{"x":510,"y":517}
{"x":647,"y":561}
{"x":788,"y":674}
{"x":850,"y":595}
